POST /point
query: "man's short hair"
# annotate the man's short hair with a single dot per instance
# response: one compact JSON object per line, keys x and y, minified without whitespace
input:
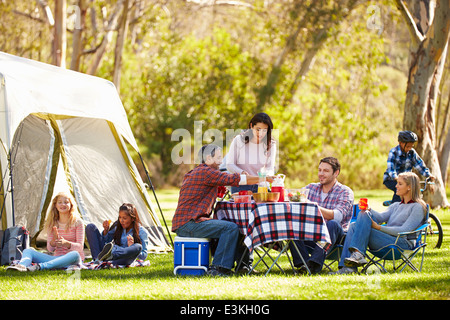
{"x":333,"y":162}
{"x":207,"y":150}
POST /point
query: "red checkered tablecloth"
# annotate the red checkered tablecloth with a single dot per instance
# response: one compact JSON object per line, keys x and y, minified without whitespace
{"x":268,"y":222}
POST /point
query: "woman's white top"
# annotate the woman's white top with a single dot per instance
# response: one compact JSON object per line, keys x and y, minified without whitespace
{"x":250,"y":157}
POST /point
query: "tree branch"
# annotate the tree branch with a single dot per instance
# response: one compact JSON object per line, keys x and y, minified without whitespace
{"x":416,"y":36}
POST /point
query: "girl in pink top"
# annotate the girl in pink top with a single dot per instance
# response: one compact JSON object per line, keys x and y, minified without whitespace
{"x":65,"y":238}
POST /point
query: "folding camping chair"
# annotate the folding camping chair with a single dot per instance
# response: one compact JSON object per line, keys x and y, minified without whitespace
{"x":394,"y":253}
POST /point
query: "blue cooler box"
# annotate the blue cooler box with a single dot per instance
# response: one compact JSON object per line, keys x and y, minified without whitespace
{"x":191,"y":256}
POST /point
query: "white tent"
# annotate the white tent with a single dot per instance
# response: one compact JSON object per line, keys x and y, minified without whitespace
{"x":62,"y":130}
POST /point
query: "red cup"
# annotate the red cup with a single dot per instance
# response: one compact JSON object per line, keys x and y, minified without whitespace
{"x":363,"y":204}
{"x":221,"y":191}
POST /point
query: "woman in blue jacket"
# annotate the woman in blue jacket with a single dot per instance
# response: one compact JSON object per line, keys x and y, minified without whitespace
{"x":122,"y":242}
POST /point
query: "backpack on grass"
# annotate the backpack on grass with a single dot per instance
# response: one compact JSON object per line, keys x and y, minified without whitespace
{"x":15,"y":240}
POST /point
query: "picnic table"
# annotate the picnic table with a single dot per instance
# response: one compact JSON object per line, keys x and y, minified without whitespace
{"x":275,"y":222}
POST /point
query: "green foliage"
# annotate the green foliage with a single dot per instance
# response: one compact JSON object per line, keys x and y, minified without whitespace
{"x":190,"y":79}
{"x":20,"y":37}
{"x":336,"y":112}
{"x":186,"y":63}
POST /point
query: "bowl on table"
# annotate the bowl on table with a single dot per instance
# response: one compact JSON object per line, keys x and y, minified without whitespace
{"x":273,"y":196}
{"x":297,"y":195}
{"x":266,"y":196}
{"x":260,"y":197}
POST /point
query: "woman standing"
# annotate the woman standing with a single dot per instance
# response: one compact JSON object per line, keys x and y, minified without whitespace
{"x":369,"y":230}
{"x":253,"y":150}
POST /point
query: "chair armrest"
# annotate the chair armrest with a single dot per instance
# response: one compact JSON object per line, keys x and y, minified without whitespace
{"x":407,"y":233}
{"x":414,"y":231}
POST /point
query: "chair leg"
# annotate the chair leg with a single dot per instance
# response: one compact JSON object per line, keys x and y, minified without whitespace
{"x":376,"y":262}
{"x":403,"y":261}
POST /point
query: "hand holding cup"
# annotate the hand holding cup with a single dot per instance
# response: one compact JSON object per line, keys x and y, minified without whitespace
{"x":363,"y":204}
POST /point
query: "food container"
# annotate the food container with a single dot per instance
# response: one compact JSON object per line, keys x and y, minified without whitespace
{"x":260,"y":197}
{"x":278,"y":186}
{"x":266,"y":197}
{"x":273,"y":196}
{"x":242,"y":198}
{"x":298,"y":195}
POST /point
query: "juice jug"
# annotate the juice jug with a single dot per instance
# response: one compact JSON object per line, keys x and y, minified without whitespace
{"x":262,"y":185}
{"x":278,"y":186}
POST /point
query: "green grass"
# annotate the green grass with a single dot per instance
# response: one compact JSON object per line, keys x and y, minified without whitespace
{"x":158,"y":282}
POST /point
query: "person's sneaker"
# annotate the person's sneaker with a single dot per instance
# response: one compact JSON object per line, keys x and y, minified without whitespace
{"x":355,"y":260}
{"x":302,"y":270}
{"x":106,"y":252}
{"x":314,"y":268}
{"x":387,"y":203}
{"x":34,"y":267}
{"x":246,"y":270}
{"x":214,"y":271}
{"x":17,"y":267}
{"x":345,"y":270}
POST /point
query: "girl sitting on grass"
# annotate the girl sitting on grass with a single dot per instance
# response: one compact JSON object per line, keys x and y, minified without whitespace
{"x":65,"y":238}
{"x":123,"y":242}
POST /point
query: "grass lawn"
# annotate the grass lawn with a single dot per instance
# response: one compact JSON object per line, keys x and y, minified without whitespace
{"x":158,"y":282}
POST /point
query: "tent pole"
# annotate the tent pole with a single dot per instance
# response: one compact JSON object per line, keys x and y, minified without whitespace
{"x":154,"y":194}
{"x":12,"y":188}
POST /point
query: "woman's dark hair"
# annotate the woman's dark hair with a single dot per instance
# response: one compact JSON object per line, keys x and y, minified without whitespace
{"x":261,"y":117}
{"x":130,"y":209}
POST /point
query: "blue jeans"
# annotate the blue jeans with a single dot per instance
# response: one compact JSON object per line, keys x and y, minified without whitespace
{"x":95,"y":240}
{"x":361,"y":236}
{"x":125,"y":255}
{"x":390,"y":184}
{"x":120,"y":255}
{"x":227,"y":232}
{"x":311,"y":251}
{"x":47,"y":262}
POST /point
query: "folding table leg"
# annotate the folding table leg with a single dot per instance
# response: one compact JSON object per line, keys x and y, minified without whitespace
{"x":301,"y":257}
{"x":261,"y":258}
{"x":276,"y":259}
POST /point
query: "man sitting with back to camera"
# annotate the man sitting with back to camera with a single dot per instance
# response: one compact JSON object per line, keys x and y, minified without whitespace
{"x":335,"y":202}
{"x":197,"y":196}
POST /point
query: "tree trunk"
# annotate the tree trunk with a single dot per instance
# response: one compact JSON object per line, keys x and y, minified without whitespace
{"x":121,"y":36}
{"x":423,"y":80}
{"x":59,"y":39}
{"x":77,"y":44}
